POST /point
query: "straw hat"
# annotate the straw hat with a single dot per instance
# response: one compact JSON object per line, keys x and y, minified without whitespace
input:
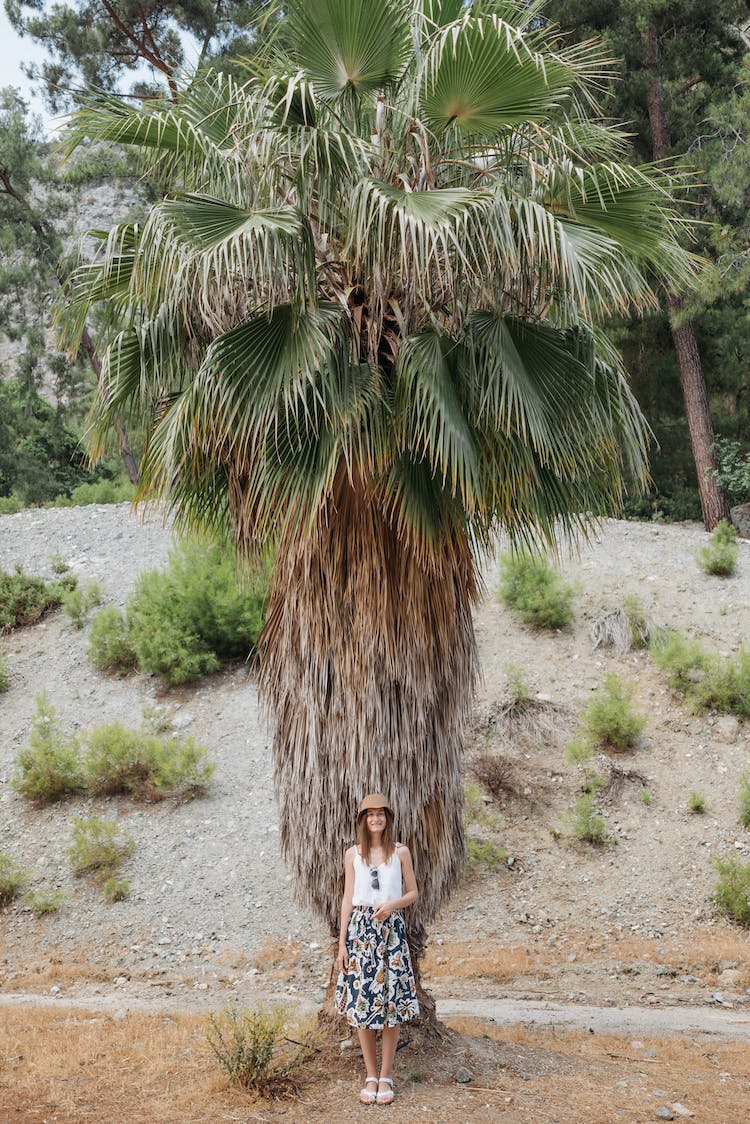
{"x":373,"y":800}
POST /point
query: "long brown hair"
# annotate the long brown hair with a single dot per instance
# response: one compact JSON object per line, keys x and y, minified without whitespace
{"x":363,"y":835}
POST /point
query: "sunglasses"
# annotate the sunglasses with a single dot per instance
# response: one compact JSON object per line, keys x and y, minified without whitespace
{"x":374,"y":880}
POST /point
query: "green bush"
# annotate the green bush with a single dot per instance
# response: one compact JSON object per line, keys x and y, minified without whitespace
{"x":732,"y":891}
{"x":579,"y":751}
{"x":142,"y":764}
{"x":719,"y":555}
{"x":483,"y":852}
{"x":4,"y":677}
{"x":9,"y":505}
{"x":183,"y":622}
{"x":535,"y":591}
{"x":586,"y":823}
{"x":109,"y":642}
{"x":697,"y":803}
{"x":745,"y":800}
{"x":609,"y":719}
{"x":98,"y":491}
{"x":111,"y":759}
{"x":49,"y":766}
{"x":708,"y":682}
{"x":13,"y":879}
{"x":640,"y":629}
{"x":43,"y":902}
{"x":98,"y":847}
{"x":733,"y":473}
{"x":78,"y":603}
{"x":24,"y":600}
{"x":115,"y":889}
{"x":248,"y":1046}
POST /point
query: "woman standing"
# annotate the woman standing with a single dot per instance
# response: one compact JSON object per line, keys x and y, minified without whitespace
{"x":375,"y":988}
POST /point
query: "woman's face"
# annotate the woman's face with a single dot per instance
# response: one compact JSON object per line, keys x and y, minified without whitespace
{"x":376,"y":820}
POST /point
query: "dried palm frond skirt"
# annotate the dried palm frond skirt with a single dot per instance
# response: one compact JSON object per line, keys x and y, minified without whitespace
{"x":378,"y":989}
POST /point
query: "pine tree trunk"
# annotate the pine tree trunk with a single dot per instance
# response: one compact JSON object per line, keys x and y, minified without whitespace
{"x":714,"y":504}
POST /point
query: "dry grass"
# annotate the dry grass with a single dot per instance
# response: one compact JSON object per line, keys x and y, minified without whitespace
{"x":72,"y":1067}
{"x":468,"y":960}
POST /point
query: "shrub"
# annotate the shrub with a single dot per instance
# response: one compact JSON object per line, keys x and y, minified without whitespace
{"x":60,"y":564}
{"x":183,"y":622}
{"x":9,"y":505}
{"x":495,"y":772}
{"x":249,"y":1048}
{"x":708,"y":682}
{"x":44,"y":902}
{"x":585,"y":821}
{"x":109,"y":642}
{"x":733,"y":473}
{"x":578,"y":752}
{"x":732,"y":891}
{"x":719,"y":555}
{"x":640,"y":629}
{"x":49,"y":766}
{"x":646,"y":796}
{"x":483,"y":852}
{"x":142,"y":764}
{"x":697,"y":803}
{"x":609,"y":719}
{"x":78,"y":603}
{"x":24,"y":600}
{"x":13,"y":879}
{"x":535,"y":591}
{"x":745,"y":799}
{"x":98,"y":491}
{"x":4,"y":677}
{"x":476,"y":809}
{"x":98,"y":847}
{"x":115,"y":889}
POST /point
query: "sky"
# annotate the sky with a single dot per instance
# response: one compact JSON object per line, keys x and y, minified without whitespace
{"x":13,"y":51}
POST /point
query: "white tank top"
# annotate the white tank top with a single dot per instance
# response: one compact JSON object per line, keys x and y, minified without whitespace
{"x":388,"y":878}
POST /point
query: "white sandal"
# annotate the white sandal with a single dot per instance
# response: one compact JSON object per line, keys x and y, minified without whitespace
{"x":387,"y":1096}
{"x":366,"y":1095}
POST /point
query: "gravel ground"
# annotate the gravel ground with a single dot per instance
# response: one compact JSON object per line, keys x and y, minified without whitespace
{"x":210,"y":908}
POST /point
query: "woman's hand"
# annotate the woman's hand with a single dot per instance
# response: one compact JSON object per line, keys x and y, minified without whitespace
{"x":384,"y":911}
{"x":342,"y":959}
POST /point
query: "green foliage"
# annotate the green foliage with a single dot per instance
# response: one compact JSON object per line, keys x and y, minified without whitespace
{"x":579,"y":751}
{"x":13,"y":879}
{"x":143,"y":765}
{"x":639,"y":627}
{"x":49,"y":766}
{"x":733,"y":473}
{"x":719,"y":555}
{"x":609,"y":720}
{"x":518,"y":687}
{"x":60,"y":564}
{"x":111,"y":759}
{"x":697,"y":803}
{"x":78,"y":603}
{"x":24,"y":600}
{"x":586,"y":823}
{"x":476,"y":809}
{"x":109,"y":645}
{"x":744,"y":799}
{"x":43,"y":902}
{"x":98,"y":847}
{"x":707,"y":681}
{"x":115,"y":889}
{"x":535,"y":591}
{"x":118,"y":490}
{"x":184,"y":621}
{"x":646,"y":796}
{"x":4,"y":677}
{"x":484,"y":853}
{"x":732,"y":891}
{"x":9,"y":505}
{"x":246,"y":1044}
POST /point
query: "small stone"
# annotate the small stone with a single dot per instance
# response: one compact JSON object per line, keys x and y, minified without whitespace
{"x":464,"y":1075}
{"x":54,"y":990}
{"x":681,"y":1110}
{"x":664,"y":1113}
{"x":345,"y":1045}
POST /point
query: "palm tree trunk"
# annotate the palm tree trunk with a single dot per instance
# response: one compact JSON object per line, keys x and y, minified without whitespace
{"x":714,"y":503}
{"x":368,"y":665}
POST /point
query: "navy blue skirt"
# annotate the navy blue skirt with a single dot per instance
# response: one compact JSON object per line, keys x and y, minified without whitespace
{"x":378,"y":989}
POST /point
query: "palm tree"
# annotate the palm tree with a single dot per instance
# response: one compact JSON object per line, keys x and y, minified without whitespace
{"x":363,"y":327}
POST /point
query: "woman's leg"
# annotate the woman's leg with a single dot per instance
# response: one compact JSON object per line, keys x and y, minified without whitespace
{"x":388,"y":1050}
{"x":369,"y":1050}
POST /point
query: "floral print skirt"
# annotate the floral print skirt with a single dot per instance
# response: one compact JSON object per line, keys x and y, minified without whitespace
{"x":378,"y":989}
